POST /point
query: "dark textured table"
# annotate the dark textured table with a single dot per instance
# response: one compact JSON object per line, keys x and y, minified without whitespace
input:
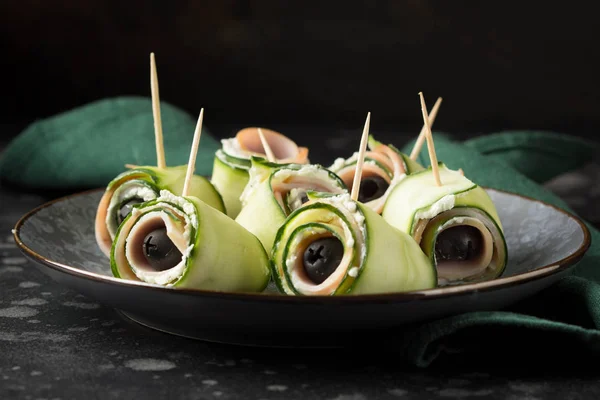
{"x":57,"y":344}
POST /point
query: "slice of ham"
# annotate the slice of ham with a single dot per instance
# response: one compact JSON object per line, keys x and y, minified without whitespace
{"x":285,"y":150}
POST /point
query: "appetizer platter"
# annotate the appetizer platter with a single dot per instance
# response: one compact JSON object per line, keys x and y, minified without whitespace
{"x":285,"y":249}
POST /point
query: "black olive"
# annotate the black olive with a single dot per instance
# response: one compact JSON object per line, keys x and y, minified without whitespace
{"x":126,"y":208}
{"x":322,"y":257}
{"x":459,"y":243}
{"x":371,"y":188}
{"x":160,"y":252}
{"x":303,"y":198}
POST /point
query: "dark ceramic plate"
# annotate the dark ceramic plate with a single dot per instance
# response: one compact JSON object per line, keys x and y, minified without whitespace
{"x":544,"y":243}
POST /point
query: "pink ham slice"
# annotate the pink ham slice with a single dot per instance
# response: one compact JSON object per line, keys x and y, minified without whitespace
{"x":285,"y":150}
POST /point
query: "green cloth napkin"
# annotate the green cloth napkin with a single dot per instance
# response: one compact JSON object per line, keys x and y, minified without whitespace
{"x":540,"y":155}
{"x":558,"y":325}
{"x":88,"y":146}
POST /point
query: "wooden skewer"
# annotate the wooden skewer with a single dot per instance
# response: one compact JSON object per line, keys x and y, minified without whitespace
{"x":131,"y":166}
{"x":460,"y":171}
{"x":268,"y":151}
{"x":361,"y":159}
{"x":421,"y":139}
{"x":193,"y":153}
{"x":430,"y":145}
{"x":158,"y":134}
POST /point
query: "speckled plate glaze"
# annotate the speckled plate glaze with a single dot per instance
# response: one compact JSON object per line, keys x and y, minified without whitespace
{"x":544,"y":243}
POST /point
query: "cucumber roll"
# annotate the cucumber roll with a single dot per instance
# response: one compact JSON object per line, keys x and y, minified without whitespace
{"x":182,"y":242}
{"x":140,"y":185}
{"x":275,"y":190}
{"x":383,"y":168}
{"x":232,"y":161}
{"x":456,"y":224}
{"x":335,"y":246}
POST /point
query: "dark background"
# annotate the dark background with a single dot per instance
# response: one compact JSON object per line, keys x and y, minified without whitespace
{"x":498,"y":65}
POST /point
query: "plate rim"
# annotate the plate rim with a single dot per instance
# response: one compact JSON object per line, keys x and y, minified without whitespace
{"x":557,"y":267}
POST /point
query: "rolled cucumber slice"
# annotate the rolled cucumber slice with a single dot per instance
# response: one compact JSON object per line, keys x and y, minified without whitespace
{"x":230,"y":177}
{"x":275,"y":190}
{"x":377,"y":258}
{"x":383,"y":168}
{"x":472,"y":247}
{"x":144,"y":184}
{"x":217,"y":254}
{"x":232,"y":162}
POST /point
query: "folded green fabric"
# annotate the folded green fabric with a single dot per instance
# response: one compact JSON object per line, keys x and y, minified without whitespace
{"x":540,"y":155}
{"x":88,"y":146}
{"x":563,"y":320}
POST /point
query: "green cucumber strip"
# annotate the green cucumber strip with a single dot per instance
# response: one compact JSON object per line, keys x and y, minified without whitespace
{"x":418,"y":192}
{"x":238,"y":162}
{"x":262,"y":215}
{"x":384,"y":168}
{"x":138,"y":173}
{"x":225,"y":256}
{"x":230,"y":182}
{"x":372,"y":142}
{"x":410,"y":165}
{"x":122,"y":201}
{"x":173,"y":179}
{"x":394,"y":262}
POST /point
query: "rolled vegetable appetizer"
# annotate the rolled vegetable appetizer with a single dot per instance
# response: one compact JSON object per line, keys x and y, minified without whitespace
{"x":335,"y":246}
{"x":140,"y":185}
{"x":232,"y":162}
{"x":383,"y":168}
{"x":274,"y":191}
{"x":456,"y":224}
{"x":182,"y":242}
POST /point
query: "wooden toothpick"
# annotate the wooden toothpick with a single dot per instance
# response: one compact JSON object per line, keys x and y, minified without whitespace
{"x":131,"y":166}
{"x":158,"y":134}
{"x":193,"y":153}
{"x":361,"y":159}
{"x":421,"y":139}
{"x":268,"y":151}
{"x":430,"y":145}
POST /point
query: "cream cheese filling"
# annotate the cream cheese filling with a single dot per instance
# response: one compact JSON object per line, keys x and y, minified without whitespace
{"x":127,"y":190}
